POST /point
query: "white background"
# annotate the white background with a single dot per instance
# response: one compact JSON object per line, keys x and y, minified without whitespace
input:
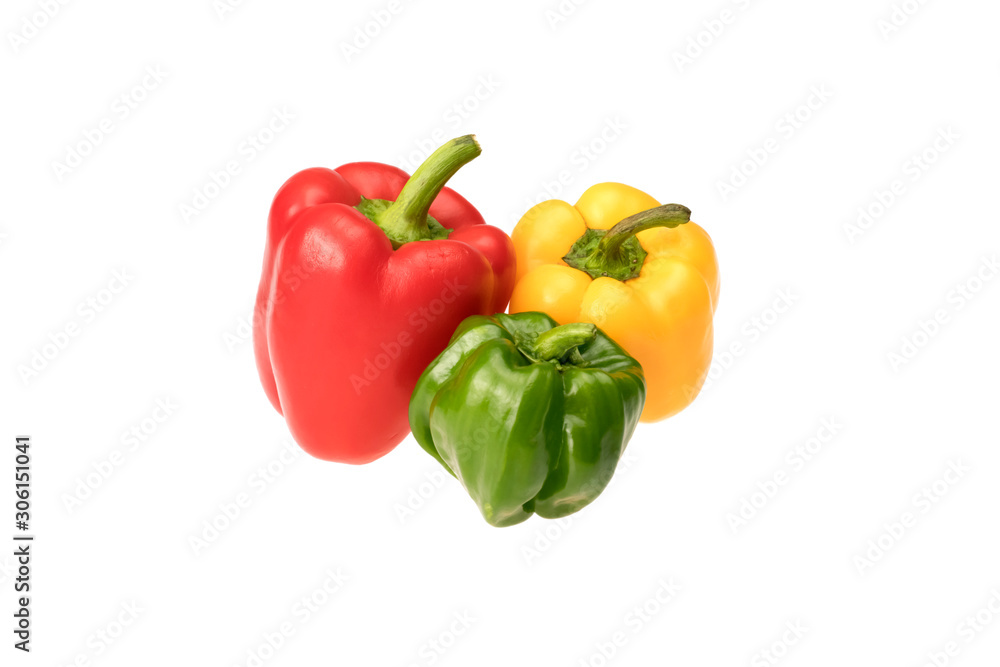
{"x":539,"y":593}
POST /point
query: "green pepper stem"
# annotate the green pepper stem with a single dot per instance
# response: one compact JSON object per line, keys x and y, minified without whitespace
{"x":668,"y":215}
{"x":406,"y":218}
{"x":556,"y":343}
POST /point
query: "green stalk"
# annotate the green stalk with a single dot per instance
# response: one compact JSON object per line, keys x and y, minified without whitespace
{"x":406,"y":219}
{"x":617,"y":253}
{"x":556,"y":343}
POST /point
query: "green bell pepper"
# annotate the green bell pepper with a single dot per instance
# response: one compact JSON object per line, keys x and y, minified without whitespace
{"x":528,"y":415}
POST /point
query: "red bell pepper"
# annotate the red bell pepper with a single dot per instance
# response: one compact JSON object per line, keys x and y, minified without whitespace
{"x":367,"y":273}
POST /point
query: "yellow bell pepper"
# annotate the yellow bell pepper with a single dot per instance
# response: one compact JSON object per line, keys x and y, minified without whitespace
{"x":651,"y":282}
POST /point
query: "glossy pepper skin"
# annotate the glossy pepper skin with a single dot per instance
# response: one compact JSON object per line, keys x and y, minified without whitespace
{"x":529,"y":416}
{"x":358,"y":294}
{"x":653,"y":286}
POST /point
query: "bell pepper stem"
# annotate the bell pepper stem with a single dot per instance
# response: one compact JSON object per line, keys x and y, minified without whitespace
{"x":556,"y":343}
{"x":668,"y":215}
{"x":617,"y":253}
{"x":406,"y":218}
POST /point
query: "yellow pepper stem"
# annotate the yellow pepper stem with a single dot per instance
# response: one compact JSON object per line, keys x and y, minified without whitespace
{"x":668,"y":215}
{"x":616,"y":253}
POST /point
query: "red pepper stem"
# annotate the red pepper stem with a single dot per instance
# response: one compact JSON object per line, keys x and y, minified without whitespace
{"x":556,"y":343}
{"x":669,"y":215}
{"x":406,"y":219}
